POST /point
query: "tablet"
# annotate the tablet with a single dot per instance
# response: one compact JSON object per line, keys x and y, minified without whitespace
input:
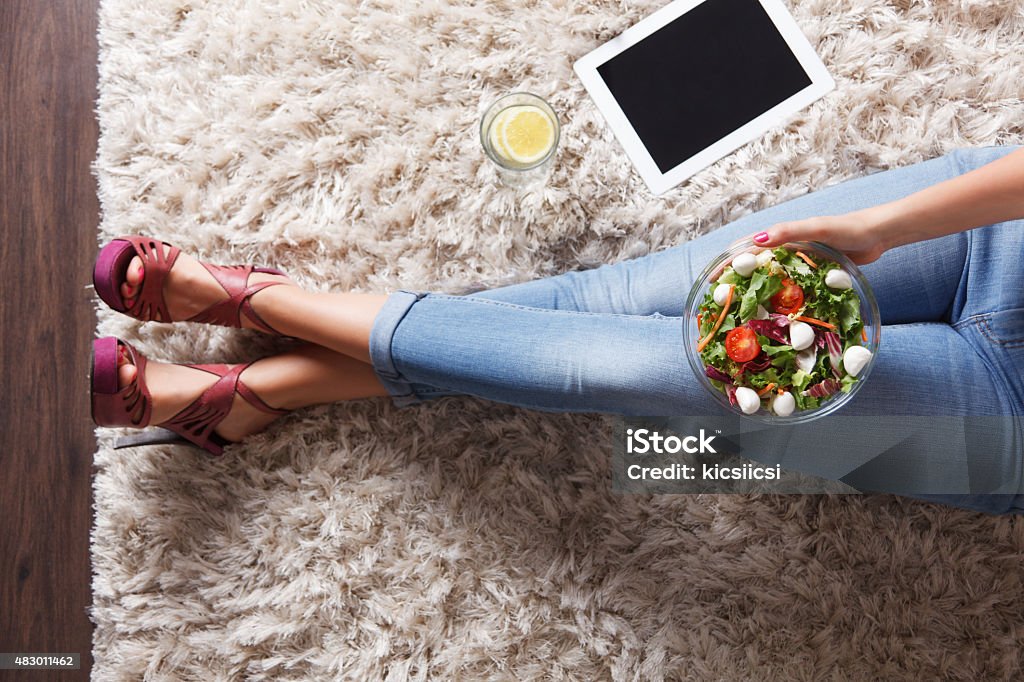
{"x":698,"y":79}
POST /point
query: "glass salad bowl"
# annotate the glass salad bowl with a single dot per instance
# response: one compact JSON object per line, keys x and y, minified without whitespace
{"x":767,"y":342}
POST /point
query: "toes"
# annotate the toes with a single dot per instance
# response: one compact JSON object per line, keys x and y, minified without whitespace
{"x":126,"y":375}
{"x":132,"y":281}
{"x":135,"y":272}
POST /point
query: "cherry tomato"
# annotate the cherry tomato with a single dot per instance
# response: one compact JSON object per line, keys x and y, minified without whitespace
{"x":789,"y":298}
{"x":741,"y":344}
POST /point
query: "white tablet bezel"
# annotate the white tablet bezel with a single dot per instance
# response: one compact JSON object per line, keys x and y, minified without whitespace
{"x":658,"y":182}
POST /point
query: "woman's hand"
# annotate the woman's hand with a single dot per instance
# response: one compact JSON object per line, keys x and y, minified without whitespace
{"x":858,"y":234}
{"x":989,"y":194}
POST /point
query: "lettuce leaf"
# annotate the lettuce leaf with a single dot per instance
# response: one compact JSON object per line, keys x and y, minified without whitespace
{"x":748,"y":304}
{"x":730,"y":276}
{"x":714,"y":353}
{"x":849,"y":313}
{"x":763,"y":378}
{"x":784,"y":358}
{"x":800,"y":380}
{"x":774,"y":350}
{"x":772,"y":285}
{"x":794,"y":265}
{"x":805,"y":402}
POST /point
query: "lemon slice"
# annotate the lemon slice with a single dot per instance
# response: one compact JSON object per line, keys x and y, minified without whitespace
{"x":523,"y":134}
{"x":497,"y":125}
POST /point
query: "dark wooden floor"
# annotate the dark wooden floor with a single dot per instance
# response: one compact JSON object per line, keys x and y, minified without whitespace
{"x":48,"y":213}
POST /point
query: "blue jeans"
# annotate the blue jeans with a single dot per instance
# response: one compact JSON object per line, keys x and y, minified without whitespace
{"x":610,"y":339}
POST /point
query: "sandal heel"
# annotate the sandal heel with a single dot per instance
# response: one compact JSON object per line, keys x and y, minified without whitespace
{"x":152,"y":436}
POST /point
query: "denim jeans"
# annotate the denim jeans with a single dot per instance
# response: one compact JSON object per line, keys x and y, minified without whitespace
{"x":610,"y":339}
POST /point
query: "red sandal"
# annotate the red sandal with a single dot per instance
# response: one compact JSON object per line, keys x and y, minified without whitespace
{"x":132,"y":406}
{"x":157,"y":260}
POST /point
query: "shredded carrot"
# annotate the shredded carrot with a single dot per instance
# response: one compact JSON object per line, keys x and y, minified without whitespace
{"x":766,"y":389}
{"x":718,"y":323}
{"x":807,"y":259}
{"x":698,"y":321}
{"x":863,"y":335}
{"x":812,"y":320}
{"x":781,"y":390}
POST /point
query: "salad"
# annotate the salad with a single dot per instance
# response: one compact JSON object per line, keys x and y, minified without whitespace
{"x":782,"y":331}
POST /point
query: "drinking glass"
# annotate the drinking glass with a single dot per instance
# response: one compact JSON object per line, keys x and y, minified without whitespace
{"x":499,"y":122}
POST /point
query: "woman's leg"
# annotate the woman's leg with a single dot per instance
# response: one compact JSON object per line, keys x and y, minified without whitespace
{"x":595,"y":362}
{"x":306,"y":375}
{"x":569,"y":361}
{"x":603,"y":362}
{"x":661,"y":281}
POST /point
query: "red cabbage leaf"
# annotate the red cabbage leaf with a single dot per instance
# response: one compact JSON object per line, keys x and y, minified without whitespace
{"x":823,"y":389}
{"x":717,"y":374}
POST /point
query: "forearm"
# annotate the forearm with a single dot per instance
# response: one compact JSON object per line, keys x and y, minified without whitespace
{"x":990,"y":194}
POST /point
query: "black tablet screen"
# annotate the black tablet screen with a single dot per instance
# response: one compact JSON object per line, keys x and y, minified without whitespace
{"x":702,"y":76}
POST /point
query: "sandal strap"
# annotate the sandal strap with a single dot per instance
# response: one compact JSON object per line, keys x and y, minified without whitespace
{"x":200,"y":418}
{"x":135,"y":404}
{"x":137,"y":390}
{"x":157,"y":258}
{"x":227,"y":312}
{"x":250,"y":396}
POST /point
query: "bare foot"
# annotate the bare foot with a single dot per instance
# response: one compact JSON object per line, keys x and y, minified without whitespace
{"x":173,"y":387}
{"x":189,"y":288}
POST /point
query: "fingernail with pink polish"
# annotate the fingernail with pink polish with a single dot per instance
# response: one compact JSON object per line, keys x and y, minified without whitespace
{"x":761,"y":237}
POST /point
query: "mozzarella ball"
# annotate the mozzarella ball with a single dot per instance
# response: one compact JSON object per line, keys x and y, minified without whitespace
{"x":744,"y":264}
{"x":838,"y":279}
{"x":800,"y":335}
{"x":806,"y":359}
{"x":784,"y":404}
{"x":855,"y":358}
{"x":764,"y":258}
{"x":721,"y":293}
{"x":761,"y":313}
{"x":748,"y":399}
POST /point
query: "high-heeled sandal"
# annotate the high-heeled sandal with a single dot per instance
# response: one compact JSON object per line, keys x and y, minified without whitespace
{"x":132,"y":406}
{"x":157,"y":260}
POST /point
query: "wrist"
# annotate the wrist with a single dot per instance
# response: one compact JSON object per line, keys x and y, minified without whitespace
{"x":884,"y":225}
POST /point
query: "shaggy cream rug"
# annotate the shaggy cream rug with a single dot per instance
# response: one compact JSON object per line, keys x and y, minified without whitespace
{"x":465,"y":540}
